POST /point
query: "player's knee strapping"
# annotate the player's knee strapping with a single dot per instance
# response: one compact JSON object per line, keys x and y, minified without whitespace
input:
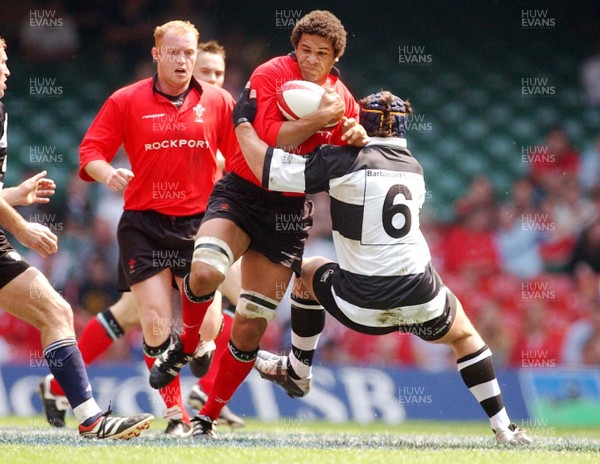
{"x":253,"y":305}
{"x":111,"y":325}
{"x":214,"y":252}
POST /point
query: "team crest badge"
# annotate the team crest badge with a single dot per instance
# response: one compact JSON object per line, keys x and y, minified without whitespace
{"x":199,"y":110}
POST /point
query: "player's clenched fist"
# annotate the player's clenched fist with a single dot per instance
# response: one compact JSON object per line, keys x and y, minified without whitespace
{"x":118,"y":179}
{"x":39,"y":238}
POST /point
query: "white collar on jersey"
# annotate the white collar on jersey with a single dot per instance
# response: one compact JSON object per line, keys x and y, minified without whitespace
{"x":398,"y":142}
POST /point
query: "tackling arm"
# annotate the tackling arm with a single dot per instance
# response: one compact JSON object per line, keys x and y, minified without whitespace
{"x":253,"y":147}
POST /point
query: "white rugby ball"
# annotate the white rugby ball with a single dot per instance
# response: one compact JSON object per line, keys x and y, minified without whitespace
{"x":297,"y":99}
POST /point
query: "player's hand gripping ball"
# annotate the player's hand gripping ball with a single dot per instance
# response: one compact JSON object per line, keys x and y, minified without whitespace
{"x":297,"y":99}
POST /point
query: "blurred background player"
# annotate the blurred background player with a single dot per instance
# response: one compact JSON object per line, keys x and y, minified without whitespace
{"x":114,"y":322}
{"x":385,"y":281}
{"x":210,"y":64}
{"x":171,"y":127}
{"x":26,"y":293}
{"x":244,"y":219}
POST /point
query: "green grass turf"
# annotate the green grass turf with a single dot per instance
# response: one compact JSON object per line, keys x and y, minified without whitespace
{"x":30,"y":440}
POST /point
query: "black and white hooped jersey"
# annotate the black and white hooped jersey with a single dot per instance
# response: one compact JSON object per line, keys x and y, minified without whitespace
{"x":376,"y":194}
{"x":3,"y":142}
{"x":4,"y":245}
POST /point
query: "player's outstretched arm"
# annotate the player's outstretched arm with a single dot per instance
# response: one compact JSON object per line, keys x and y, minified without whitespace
{"x":36,"y":189}
{"x":32,"y":235}
{"x":103,"y":172}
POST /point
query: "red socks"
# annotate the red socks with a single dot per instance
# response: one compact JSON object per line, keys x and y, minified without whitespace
{"x":221,"y":341}
{"x":234,"y":367}
{"x":193,"y":310}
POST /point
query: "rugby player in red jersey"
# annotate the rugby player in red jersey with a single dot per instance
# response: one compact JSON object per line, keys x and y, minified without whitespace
{"x":171,"y":127}
{"x":269,"y":229}
{"x":113,"y":322}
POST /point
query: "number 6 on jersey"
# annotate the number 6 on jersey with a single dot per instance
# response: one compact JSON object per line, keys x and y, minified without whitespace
{"x":391,"y":206}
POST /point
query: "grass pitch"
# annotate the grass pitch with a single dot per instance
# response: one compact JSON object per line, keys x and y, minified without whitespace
{"x":290,"y":441}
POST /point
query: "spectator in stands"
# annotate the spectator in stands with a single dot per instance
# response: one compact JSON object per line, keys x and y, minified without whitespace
{"x":589,"y":74}
{"x":594,"y":196}
{"x":580,"y":344}
{"x":558,"y":237}
{"x":589,"y":175}
{"x":432,"y":356}
{"x":554,"y":162}
{"x":591,"y":350}
{"x":566,"y":214}
{"x":470,"y":247}
{"x":49,"y":34}
{"x":587,"y":249}
{"x":538,"y":343}
{"x":101,"y":244}
{"x":97,"y":291}
{"x":584,"y":290}
{"x":128,"y":29}
{"x":523,"y":197}
{"x":77,"y":208}
{"x":499,"y":336}
{"x":480,"y":194}
{"x":572,"y":211}
{"x":518,"y":239}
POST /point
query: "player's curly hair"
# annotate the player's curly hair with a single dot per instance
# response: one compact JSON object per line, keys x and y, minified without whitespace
{"x":212,"y":46}
{"x":384,"y":114}
{"x":322,"y":23}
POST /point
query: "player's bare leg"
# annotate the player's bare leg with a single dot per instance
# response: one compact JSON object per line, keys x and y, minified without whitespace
{"x":293,"y":371}
{"x":30,"y":297}
{"x":263,"y":285}
{"x":212,"y":258}
{"x":153,"y":297}
{"x":198,"y":396}
{"x":474,"y":360}
{"x":215,"y":326}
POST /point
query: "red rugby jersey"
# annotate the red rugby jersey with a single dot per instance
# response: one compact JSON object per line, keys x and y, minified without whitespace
{"x":172,"y":150}
{"x":267,"y":80}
